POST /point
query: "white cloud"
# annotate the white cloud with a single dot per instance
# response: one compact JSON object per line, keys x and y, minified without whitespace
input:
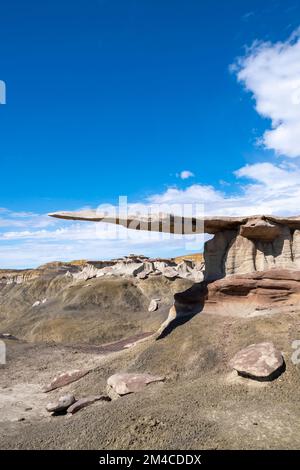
{"x":272,"y":190}
{"x":185,"y":174}
{"x":271,"y":72}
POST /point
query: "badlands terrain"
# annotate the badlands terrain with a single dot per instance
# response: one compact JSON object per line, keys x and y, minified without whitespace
{"x":157,"y":317}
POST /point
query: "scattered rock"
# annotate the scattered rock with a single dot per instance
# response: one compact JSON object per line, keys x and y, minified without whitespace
{"x":142,"y":275}
{"x":258,"y":361}
{"x":153,"y":305}
{"x":88,"y":272}
{"x":124,"y":383}
{"x":62,"y":404}
{"x":65,"y":379}
{"x":169,"y":273}
{"x":7,"y":336}
{"x":83,"y":402}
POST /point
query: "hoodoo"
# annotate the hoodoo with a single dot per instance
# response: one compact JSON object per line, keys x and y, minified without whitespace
{"x":240,"y":244}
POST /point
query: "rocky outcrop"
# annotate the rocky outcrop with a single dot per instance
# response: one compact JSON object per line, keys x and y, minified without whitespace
{"x":247,"y":295}
{"x":17,"y":277}
{"x":215,"y":252}
{"x":254,"y":294}
{"x":268,"y":246}
{"x":9,"y":276}
{"x":141,"y":268}
{"x":258,"y":361}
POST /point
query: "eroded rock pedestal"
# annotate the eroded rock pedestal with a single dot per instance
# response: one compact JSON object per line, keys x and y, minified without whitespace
{"x":257,"y":245}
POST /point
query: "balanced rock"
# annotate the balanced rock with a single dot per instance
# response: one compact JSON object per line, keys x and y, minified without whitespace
{"x":258,"y":361}
{"x":124,"y":383}
{"x":62,"y":404}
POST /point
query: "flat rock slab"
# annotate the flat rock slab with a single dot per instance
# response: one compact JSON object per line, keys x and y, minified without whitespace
{"x":169,"y":273}
{"x":124,"y":383}
{"x":258,"y":361}
{"x":65,"y":379}
{"x":83,"y":402}
{"x":62,"y":404}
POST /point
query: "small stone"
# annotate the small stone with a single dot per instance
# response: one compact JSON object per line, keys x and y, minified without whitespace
{"x":153,"y":306}
{"x":62,"y":404}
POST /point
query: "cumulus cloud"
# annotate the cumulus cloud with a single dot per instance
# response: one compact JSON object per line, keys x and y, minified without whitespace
{"x":271,"y":72}
{"x":266,"y":188}
{"x":185,"y":174}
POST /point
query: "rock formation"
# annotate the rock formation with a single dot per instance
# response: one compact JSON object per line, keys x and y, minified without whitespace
{"x":141,"y":267}
{"x":240,"y":244}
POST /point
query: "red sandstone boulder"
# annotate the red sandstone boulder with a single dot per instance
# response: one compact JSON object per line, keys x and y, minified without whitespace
{"x":65,"y":379}
{"x":258,"y":361}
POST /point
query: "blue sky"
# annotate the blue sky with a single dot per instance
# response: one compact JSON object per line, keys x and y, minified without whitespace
{"x":111,"y":97}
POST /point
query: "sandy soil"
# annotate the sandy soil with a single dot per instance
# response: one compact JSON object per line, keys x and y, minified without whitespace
{"x":202,"y":403}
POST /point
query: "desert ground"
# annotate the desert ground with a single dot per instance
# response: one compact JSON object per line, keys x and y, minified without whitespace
{"x":104,"y":326}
